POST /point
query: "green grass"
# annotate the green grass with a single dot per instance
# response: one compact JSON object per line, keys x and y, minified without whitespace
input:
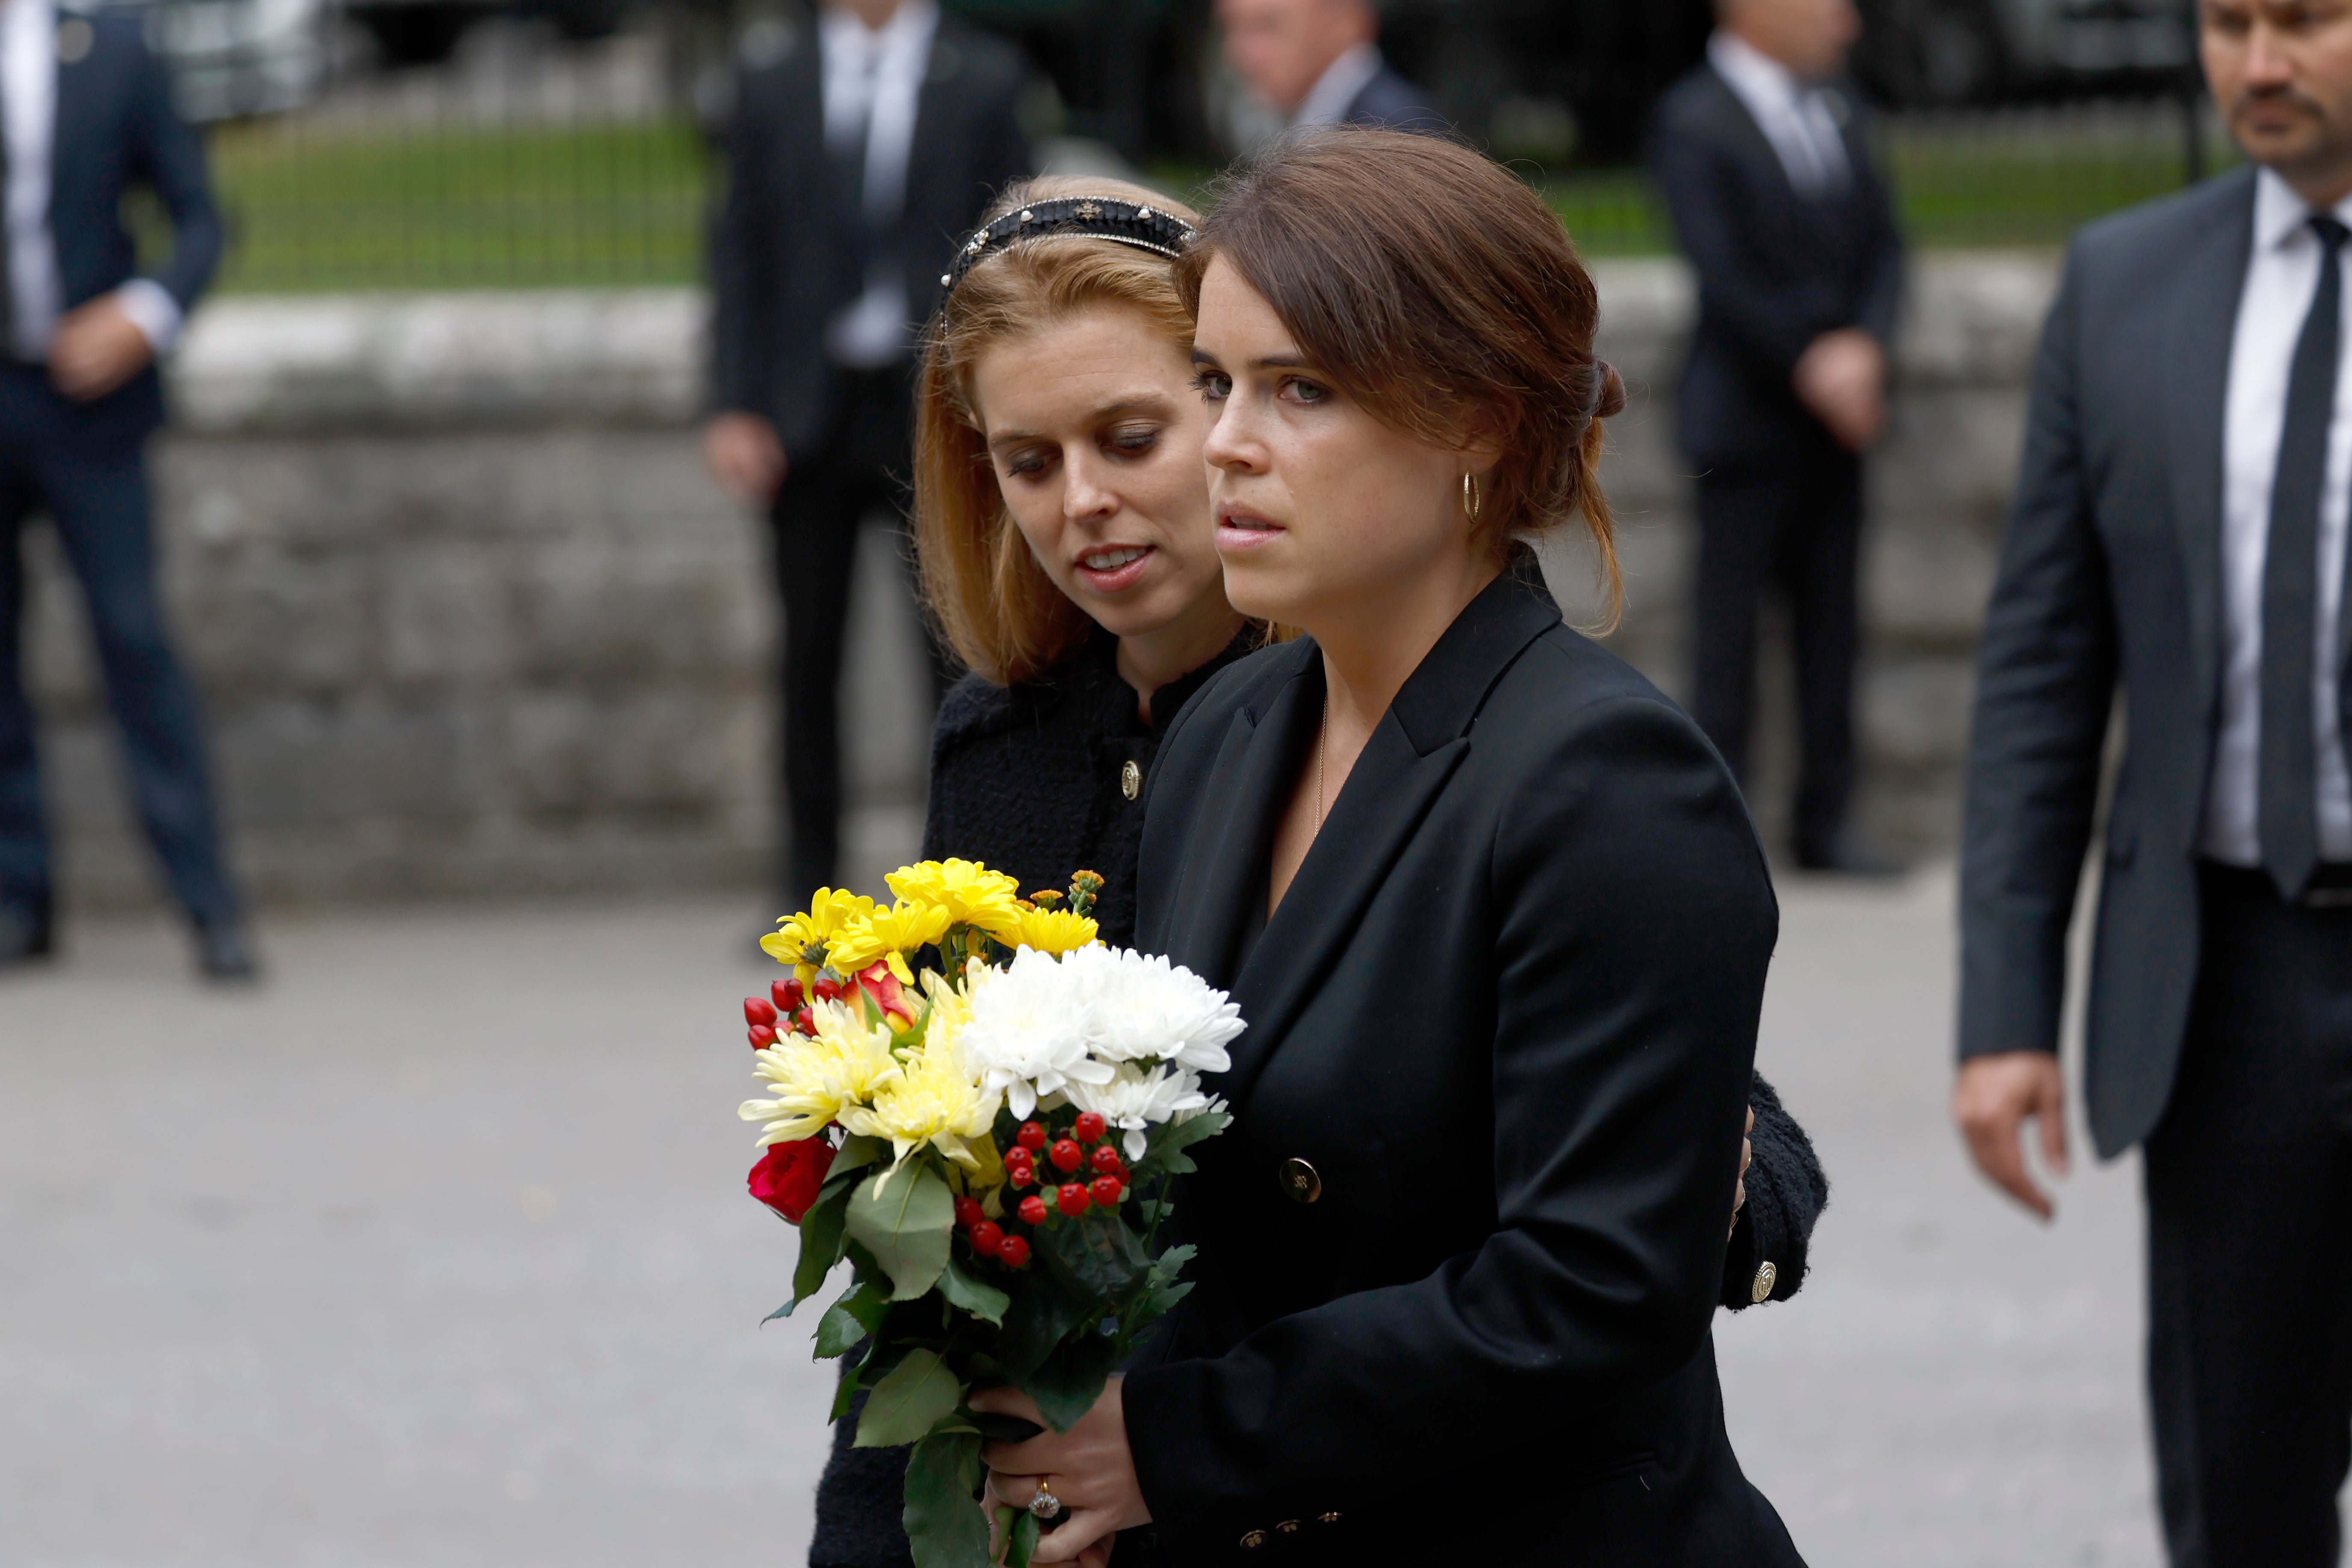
{"x":468,"y":208}
{"x":320,"y":208}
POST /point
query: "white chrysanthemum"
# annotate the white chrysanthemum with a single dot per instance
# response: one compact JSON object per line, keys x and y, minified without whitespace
{"x":1146,"y":1009}
{"x":1028,"y":1028}
{"x":1138,"y":1098}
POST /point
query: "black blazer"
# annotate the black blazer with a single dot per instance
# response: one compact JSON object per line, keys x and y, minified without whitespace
{"x":1507,"y":1013}
{"x":784,"y":245}
{"x":1775,"y":269}
{"x":116,"y":129}
{"x":2112,"y":572}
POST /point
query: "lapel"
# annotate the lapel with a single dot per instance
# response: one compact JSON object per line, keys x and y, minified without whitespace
{"x":2201,"y":321}
{"x":79,"y":107}
{"x":1412,"y":752}
{"x":1755,"y":146}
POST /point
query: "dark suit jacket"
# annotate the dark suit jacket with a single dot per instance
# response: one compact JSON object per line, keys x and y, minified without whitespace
{"x":1775,"y":269}
{"x":783,"y":248}
{"x":116,"y":129}
{"x":1389,"y":100}
{"x":2112,"y":571}
{"x":1508,"y":1012}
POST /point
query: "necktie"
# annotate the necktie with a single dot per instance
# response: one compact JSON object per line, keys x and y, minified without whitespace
{"x":2289,"y":790}
{"x":849,"y":153}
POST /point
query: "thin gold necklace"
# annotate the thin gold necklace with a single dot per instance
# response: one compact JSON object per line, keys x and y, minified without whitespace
{"x":1322,"y":744}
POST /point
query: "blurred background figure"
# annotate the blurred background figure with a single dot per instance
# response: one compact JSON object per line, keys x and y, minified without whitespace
{"x":858,"y":155}
{"x":1768,"y":178}
{"x":2180,"y":532}
{"x":1319,"y":62}
{"x":86,"y":112}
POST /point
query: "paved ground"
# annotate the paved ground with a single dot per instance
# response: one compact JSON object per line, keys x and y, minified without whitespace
{"x":434,"y":1253}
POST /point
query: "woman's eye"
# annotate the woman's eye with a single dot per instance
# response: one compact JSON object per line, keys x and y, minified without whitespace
{"x":1215,"y":385}
{"x":1305,"y":391}
{"x":1025,"y":464}
{"x":1137,"y":439}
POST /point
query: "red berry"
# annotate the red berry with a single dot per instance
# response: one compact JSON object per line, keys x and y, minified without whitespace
{"x":787,"y":994}
{"x":1090,"y":1127}
{"x":1107,"y":1161}
{"x":827,"y":988}
{"x":1073,"y":1201}
{"x":1067,"y":1154}
{"x":756,"y":1011}
{"x":1017,"y":1155}
{"x":805,"y":1022}
{"x":1032,"y":1210}
{"x":968,"y":1212}
{"x":1107,"y":1190}
{"x":761,"y":1037}
{"x":1014,"y":1251}
{"x":1030,"y":1137}
{"x":1022,"y":1174}
{"x":986,"y":1238}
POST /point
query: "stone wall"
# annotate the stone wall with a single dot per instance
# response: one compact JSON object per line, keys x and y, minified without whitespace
{"x":468,"y":618}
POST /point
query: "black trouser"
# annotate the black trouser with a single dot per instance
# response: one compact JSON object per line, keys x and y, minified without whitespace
{"x":1796,"y":522}
{"x":860,"y":468}
{"x":56,"y":455}
{"x":2250,"y":1238}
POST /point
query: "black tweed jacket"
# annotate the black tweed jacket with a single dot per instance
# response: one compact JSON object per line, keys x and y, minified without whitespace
{"x":1035,"y":780}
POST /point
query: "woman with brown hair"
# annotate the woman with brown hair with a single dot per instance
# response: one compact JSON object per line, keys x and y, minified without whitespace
{"x":1495,"y":913}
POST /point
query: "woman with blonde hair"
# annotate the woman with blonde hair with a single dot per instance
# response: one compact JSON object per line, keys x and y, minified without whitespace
{"x":1070,"y":557}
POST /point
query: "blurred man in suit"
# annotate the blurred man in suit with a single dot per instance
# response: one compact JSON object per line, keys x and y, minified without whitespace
{"x":1769,"y":180}
{"x":858,"y":158}
{"x":87,"y":112}
{"x":2179,"y":531}
{"x":1318,"y":62}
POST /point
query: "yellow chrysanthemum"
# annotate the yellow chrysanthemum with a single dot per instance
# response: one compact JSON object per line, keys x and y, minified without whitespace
{"x":1057,"y":931}
{"x":970,"y":892}
{"x":804,"y":940}
{"x":889,"y":934}
{"x":936,"y":1098}
{"x":821,"y":1078}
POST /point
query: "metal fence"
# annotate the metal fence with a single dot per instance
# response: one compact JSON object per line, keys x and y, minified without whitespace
{"x":527,"y":159}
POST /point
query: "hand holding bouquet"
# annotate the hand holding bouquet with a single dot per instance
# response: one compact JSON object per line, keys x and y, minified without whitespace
{"x":989,"y":1145}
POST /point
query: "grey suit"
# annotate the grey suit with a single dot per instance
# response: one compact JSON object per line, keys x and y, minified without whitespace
{"x":2220,"y":1030}
{"x":2112,"y":562}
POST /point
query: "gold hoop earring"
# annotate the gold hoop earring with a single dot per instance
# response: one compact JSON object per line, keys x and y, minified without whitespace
{"x":1470,"y":502}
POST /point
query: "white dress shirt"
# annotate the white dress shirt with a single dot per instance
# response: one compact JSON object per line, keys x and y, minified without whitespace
{"x":1798,"y":119}
{"x":873,"y":81}
{"x":28,"y":118}
{"x":1327,"y":101}
{"x":2281,"y":275}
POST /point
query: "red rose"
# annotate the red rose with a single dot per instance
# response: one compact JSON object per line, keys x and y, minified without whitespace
{"x":788,"y":1176}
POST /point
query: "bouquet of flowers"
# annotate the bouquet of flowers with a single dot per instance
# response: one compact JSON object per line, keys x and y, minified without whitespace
{"x":989,"y":1145}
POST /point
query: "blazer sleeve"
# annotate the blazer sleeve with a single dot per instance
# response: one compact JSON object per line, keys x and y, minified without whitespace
{"x":2045,"y":684}
{"x":1631,"y":922}
{"x":1786,"y":1193}
{"x":744,"y":264}
{"x":1706,"y":192}
{"x":171,"y":159}
{"x":1881,"y":296}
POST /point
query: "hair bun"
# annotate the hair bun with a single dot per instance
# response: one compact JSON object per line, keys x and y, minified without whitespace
{"x":1608,"y":391}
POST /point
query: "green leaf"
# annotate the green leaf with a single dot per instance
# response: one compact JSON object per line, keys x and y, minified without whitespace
{"x":857,"y":1152}
{"x":852,"y":1318}
{"x":1022,"y":1540}
{"x":1039,"y":1315}
{"x":1097,"y":1258}
{"x":851,"y":1380}
{"x":1164,"y":1145}
{"x":903,"y":1216}
{"x":944,"y":1524}
{"x":909,"y":1401}
{"x":978,"y":1298}
{"x":1072,"y":1379}
{"x":820,"y":1237}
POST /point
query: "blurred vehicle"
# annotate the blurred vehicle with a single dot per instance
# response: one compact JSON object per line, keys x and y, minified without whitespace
{"x":1930,"y":53}
{"x":231,"y":59}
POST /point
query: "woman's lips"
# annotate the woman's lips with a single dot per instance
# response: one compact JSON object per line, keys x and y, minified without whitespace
{"x":1115,"y":567}
{"x":1239,"y":530}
